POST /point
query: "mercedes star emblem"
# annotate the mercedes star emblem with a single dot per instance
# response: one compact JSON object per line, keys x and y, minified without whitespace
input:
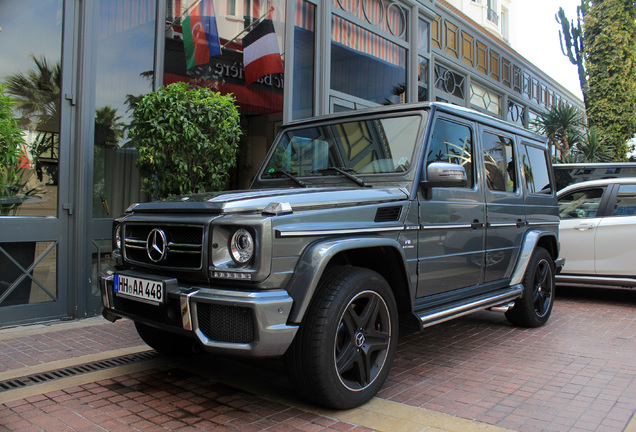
{"x":157,"y":245}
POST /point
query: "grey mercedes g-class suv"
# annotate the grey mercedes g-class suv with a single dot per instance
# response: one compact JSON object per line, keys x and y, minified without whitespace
{"x":356,"y":225}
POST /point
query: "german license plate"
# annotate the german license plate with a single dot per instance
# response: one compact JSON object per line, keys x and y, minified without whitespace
{"x":141,"y":289}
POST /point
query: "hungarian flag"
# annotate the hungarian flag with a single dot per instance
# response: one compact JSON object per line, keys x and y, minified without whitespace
{"x":200,"y":36}
{"x":261,"y":55}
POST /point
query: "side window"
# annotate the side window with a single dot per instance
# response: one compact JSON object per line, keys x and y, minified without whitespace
{"x":452,"y":142}
{"x":580,"y":204}
{"x":625,"y":201}
{"x":499,"y":162}
{"x":535,"y":169}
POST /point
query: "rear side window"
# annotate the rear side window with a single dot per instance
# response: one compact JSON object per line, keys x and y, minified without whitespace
{"x":452,"y":142}
{"x":535,"y":169}
{"x":499,"y":162}
{"x":625,"y":201}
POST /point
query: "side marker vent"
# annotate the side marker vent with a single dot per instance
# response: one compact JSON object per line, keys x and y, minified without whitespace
{"x":388,"y":214}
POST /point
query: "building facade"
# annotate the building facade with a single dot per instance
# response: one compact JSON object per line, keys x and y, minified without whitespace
{"x":76,"y":73}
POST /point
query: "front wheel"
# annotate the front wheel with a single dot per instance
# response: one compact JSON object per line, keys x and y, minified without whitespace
{"x":344,"y":348}
{"x":533,"y":309}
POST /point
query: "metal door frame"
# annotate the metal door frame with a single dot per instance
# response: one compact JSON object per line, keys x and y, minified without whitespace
{"x":53,"y":229}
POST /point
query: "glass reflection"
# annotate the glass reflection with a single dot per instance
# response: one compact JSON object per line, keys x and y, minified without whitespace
{"x":357,"y":53}
{"x":29,"y":273}
{"x":124,"y":65}
{"x":30,"y":71}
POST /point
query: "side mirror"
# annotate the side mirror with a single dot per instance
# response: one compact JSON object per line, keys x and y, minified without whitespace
{"x":443,"y":174}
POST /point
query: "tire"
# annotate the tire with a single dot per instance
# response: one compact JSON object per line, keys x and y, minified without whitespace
{"x":344,"y":349}
{"x":166,"y":342}
{"x":533,"y":309}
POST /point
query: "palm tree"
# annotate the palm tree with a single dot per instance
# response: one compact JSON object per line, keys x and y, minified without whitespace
{"x":36,"y":93}
{"x":108,"y":126}
{"x":562,"y":125}
{"x":593,"y":148}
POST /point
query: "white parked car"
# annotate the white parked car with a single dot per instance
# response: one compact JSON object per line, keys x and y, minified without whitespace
{"x":598,"y":232}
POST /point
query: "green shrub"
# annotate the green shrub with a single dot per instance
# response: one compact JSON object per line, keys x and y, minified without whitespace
{"x":187,"y":140}
{"x":13,"y":186}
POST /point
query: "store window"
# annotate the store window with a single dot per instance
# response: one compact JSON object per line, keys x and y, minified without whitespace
{"x":516,"y":113}
{"x":424,"y":34}
{"x":30,"y":70}
{"x":366,"y":65}
{"x":242,"y":53}
{"x":483,"y":98}
{"x":123,"y":76}
{"x":304,"y":60}
{"x":450,"y":82}
{"x":369,"y":62}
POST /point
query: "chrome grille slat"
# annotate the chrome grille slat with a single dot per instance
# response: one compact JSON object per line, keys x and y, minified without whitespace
{"x":184,"y":245}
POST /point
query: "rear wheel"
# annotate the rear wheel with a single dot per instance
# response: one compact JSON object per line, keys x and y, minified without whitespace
{"x":166,"y":342}
{"x":533,"y":309}
{"x":344,"y":348}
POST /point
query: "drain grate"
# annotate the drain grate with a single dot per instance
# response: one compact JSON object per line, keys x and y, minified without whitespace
{"x":21,"y":382}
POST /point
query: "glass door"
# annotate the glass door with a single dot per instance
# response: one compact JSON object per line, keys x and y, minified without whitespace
{"x":36,"y":105}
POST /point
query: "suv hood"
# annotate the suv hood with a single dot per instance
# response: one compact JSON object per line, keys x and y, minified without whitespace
{"x":255,"y":201}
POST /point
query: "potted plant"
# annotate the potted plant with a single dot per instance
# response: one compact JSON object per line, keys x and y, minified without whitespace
{"x":187,"y":140}
{"x":14,"y":190}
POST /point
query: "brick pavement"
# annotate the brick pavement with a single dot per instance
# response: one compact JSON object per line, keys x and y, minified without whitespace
{"x":578,"y":373}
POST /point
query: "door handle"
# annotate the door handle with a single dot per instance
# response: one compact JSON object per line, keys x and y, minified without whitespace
{"x":584,"y":227}
{"x":520,"y":223}
{"x":476,"y":224}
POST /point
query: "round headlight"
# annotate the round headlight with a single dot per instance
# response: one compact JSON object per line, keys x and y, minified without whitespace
{"x":118,"y":237}
{"x":242,"y":246}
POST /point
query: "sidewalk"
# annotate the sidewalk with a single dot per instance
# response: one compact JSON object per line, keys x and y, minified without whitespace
{"x":478,"y":373}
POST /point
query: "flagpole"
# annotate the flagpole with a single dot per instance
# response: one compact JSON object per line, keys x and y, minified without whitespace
{"x":187,"y":11}
{"x":249,"y":27}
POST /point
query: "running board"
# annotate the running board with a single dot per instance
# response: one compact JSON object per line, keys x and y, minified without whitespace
{"x":595,"y":280}
{"x":429,"y":317}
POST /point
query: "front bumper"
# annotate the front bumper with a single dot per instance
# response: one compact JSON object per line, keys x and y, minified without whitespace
{"x":251,"y":323}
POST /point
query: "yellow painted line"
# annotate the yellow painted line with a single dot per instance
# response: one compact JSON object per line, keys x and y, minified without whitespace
{"x":378,"y":414}
{"x":387,"y":416}
{"x":74,"y":361}
{"x":631,"y":426}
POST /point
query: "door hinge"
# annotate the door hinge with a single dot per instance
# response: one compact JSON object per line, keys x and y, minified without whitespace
{"x":68,"y":207}
{"x":70,"y":97}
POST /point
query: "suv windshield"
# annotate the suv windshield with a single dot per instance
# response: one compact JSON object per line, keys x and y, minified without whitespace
{"x":375,"y":146}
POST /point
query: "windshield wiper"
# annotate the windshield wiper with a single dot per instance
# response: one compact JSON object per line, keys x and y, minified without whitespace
{"x":288,"y":174}
{"x":345,"y":172}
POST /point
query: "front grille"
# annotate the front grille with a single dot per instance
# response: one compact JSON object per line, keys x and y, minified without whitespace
{"x":184,"y":245}
{"x":223,"y":323}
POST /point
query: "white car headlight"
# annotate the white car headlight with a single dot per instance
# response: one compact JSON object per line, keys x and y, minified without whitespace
{"x":117,"y":237}
{"x":242,"y":246}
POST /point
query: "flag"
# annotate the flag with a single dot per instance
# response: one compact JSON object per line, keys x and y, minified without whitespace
{"x":261,"y":55}
{"x":23,"y":159}
{"x":200,"y":35}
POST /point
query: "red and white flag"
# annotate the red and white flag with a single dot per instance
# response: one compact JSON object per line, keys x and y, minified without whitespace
{"x":261,"y":55}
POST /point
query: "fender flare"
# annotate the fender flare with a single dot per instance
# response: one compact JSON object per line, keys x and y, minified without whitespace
{"x":530,"y":243}
{"x":313,"y":262}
